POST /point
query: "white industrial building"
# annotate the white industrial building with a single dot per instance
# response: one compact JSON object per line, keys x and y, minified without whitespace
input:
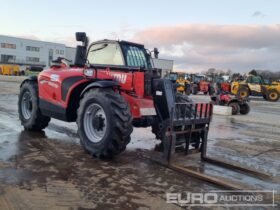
{"x":165,"y":65}
{"x":28,"y":52}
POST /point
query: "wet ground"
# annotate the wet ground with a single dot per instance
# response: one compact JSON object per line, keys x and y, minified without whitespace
{"x":49,"y":170}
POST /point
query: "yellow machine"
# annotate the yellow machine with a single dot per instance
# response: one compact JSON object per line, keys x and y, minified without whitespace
{"x":183,"y":82}
{"x":9,"y":69}
{"x":256,"y":86}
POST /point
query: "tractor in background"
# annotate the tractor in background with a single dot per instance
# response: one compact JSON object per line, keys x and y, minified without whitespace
{"x":181,"y":81}
{"x":200,"y":84}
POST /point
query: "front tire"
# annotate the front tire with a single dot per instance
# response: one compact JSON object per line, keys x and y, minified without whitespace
{"x":272,"y":95}
{"x":104,"y":123}
{"x":28,"y":108}
{"x":244,"y":108}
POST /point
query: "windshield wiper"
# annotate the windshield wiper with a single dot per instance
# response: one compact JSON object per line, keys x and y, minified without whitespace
{"x":100,"y":48}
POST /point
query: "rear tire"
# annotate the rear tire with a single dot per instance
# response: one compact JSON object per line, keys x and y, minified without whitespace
{"x":272,"y":95}
{"x":28,"y":108}
{"x":244,"y":108}
{"x":104,"y":123}
{"x":235,"y":108}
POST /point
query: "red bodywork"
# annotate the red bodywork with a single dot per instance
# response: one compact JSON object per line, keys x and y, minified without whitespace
{"x":225,"y":86}
{"x":51,"y":88}
{"x":225,"y":98}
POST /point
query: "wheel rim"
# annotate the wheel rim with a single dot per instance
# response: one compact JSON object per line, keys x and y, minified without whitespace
{"x":234,"y":108}
{"x":273,"y":96}
{"x":95,"y":123}
{"x":243,"y":94}
{"x":26,"y":105}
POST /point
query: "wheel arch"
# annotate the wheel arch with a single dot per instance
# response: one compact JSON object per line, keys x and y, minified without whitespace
{"x":100,"y":84}
{"x":30,"y":78}
{"x":234,"y":101}
{"x":78,"y":92}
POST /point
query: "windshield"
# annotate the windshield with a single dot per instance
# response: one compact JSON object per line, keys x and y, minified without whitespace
{"x":136,"y":56}
{"x":105,"y":53}
{"x":197,"y":78}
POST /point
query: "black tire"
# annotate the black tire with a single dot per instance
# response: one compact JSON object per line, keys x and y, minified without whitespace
{"x":244,"y":108}
{"x":118,"y":124}
{"x":235,"y":108}
{"x":194,"y":89}
{"x":243,"y":92}
{"x":28,"y":108}
{"x":272,"y":95}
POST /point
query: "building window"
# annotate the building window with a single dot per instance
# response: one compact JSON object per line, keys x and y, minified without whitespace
{"x":59,"y":52}
{"x":8,"y":58}
{"x":7,"y":45}
{"x":33,"y":59}
{"x":34,"y":49}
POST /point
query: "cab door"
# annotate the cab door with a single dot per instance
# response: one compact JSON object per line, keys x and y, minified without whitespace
{"x":255,"y":83}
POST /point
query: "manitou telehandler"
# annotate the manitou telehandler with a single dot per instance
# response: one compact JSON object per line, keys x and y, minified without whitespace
{"x":112,"y":87}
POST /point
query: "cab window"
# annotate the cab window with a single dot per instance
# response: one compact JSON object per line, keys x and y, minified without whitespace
{"x":256,"y":80}
{"x":136,"y":56}
{"x":105,"y":53}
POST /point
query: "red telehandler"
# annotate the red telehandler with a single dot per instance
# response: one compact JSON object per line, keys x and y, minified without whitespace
{"x":112,"y":87}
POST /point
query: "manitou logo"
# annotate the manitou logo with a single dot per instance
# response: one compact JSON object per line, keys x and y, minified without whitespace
{"x":117,"y":76}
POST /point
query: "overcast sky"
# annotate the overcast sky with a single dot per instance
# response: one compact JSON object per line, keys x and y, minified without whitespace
{"x":198,"y":34}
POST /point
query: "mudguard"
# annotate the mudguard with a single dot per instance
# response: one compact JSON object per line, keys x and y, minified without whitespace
{"x":31,"y":78}
{"x":101,"y":84}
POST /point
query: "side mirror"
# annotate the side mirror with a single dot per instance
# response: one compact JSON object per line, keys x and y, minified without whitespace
{"x":80,"y":58}
{"x":81,"y":36}
{"x":81,"y":50}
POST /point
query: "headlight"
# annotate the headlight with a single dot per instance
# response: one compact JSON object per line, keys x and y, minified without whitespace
{"x":88,"y":72}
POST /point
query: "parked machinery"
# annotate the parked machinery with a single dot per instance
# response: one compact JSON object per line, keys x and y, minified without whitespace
{"x":238,"y":105}
{"x":256,"y":86}
{"x":200,"y":84}
{"x":181,"y":81}
{"x":222,"y":85}
{"x":10,"y":69}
